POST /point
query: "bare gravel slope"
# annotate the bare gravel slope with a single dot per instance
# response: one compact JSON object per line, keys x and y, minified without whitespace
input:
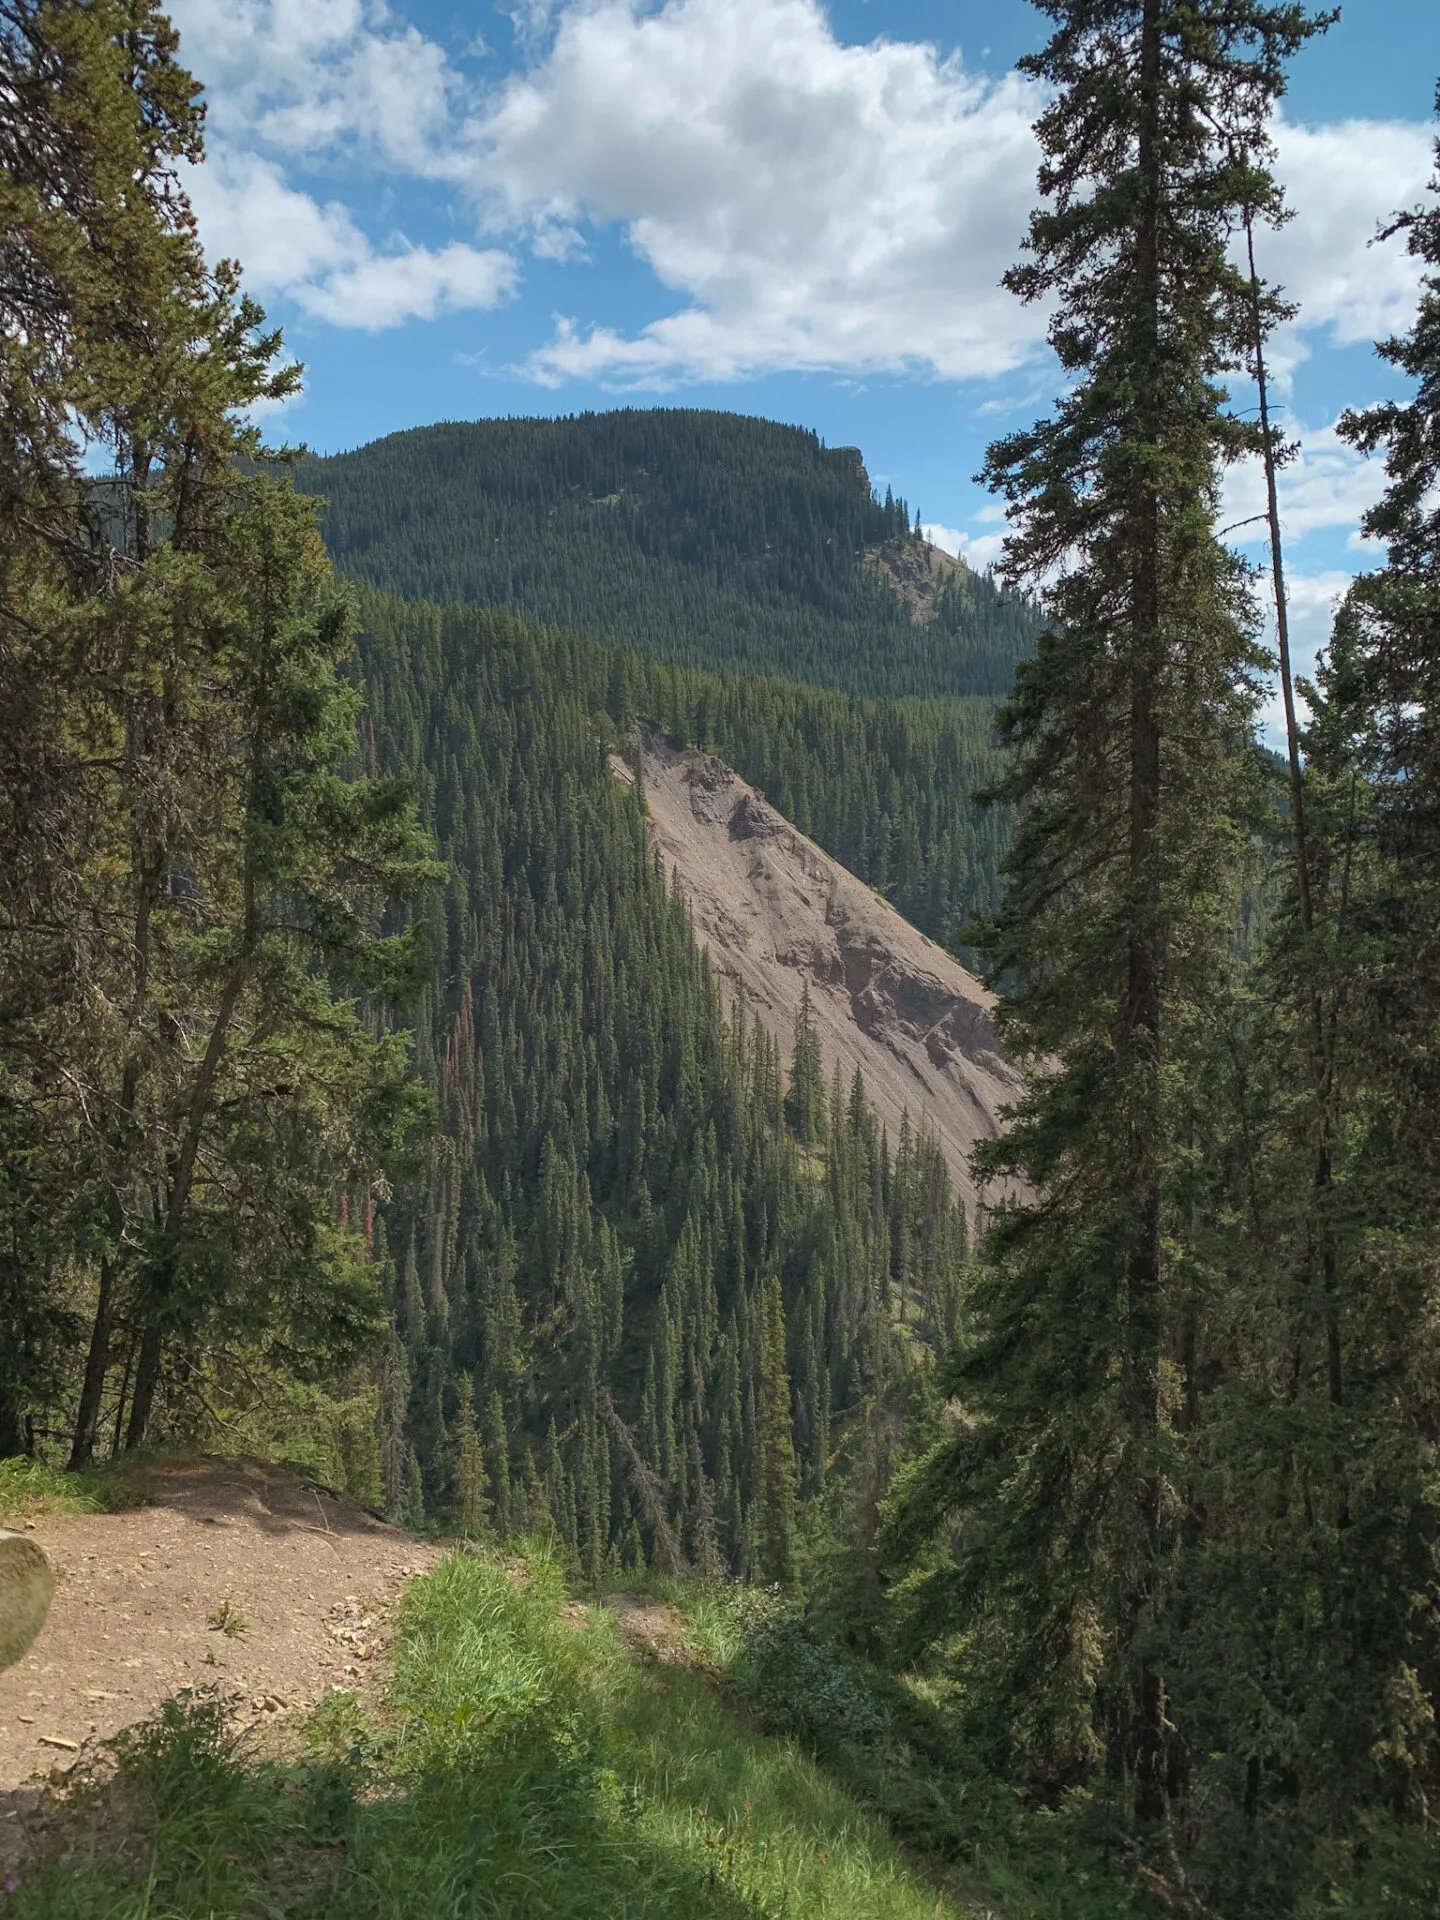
{"x":775,"y":912}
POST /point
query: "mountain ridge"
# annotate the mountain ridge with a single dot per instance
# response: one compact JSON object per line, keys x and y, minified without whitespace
{"x":701,"y":537}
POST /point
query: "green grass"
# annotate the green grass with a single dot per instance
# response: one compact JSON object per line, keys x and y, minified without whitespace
{"x":896,"y":1745}
{"x":29,"y":1489}
{"x":533,"y":1769}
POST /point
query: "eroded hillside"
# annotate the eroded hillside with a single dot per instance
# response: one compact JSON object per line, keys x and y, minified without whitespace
{"x":776,"y":913}
{"x":916,"y":573}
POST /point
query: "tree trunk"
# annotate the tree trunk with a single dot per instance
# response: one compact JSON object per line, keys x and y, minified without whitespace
{"x":12,"y":1425}
{"x":97,"y":1361}
{"x":1140,"y":1037}
{"x":1300,"y":846}
{"x":147,"y":1371}
{"x":147,"y":1378}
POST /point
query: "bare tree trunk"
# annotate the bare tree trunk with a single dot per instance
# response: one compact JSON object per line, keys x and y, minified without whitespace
{"x":1324,"y":1061}
{"x":1140,"y":1038}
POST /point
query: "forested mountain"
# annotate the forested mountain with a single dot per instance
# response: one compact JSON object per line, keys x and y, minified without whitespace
{"x":701,"y":537}
{"x":651,"y":1278}
{"x":889,"y":788}
{"x":365,"y":1097}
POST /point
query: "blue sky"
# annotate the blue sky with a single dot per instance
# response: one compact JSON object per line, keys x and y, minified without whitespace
{"x":777,"y":206}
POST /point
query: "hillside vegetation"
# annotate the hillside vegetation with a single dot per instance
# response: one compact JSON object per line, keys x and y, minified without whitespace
{"x":803,"y":941}
{"x":643,"y":1234}
{"x":532,"y":1765}
{"x":705,"y":538}
{"x":365,"y":1099}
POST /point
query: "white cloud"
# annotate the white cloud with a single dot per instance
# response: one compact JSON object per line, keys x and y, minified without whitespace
{"x":1310,"y":600}
{"x":1344,"y":181}
{"x":384,"y":289}
{"x":1328,"y":484}
{"x":317,"y":256}
{"x":818,"y":205}
{"x":531,"y":20}
{"x":310,"y":77}
{"x":822,"y":206}
{"x":808,"y":205}
{"x":282,"y":238}
{"x":978,"y":550}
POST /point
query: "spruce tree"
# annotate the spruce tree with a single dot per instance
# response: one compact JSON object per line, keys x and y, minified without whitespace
{"x":1326,"y":1563}
{"x":805,"y":1099}
{"x":179,"y":1111}
{"x":497,"y":1462}
{"x":470,"y":1505}
{"x":779,"y":1478}
{"x":1128,"y":743}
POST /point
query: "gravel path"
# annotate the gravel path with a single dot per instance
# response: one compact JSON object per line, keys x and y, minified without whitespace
{"x":306,"y":1583}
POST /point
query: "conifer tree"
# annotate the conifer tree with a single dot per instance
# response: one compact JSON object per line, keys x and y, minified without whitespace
{"x":1128,"y":741}
{"x":497,"y":1462}
{"x":173,"y":719}
{"x":805,"y":1100}
{"x":1340,"y":1535}
{"x":775,"y":1541}
{"x":469,"y":1502}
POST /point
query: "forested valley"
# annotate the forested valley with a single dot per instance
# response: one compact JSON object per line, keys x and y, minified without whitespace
{"x":367,"y":1103}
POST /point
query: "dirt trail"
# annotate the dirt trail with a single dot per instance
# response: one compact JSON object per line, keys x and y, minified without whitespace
{"x":777,"y":913}
{"x":651,"y":1627}
{"x":139,"y":1596}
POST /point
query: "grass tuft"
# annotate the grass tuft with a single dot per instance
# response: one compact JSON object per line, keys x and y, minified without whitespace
{"x":228,"y":1620}
{"x":29,"y":1490}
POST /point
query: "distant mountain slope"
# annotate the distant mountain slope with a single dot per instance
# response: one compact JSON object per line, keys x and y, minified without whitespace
{"x":777,"y":915}
{"x":706,"y":538}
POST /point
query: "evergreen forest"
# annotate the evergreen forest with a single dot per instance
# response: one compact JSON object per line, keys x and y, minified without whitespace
{"x":704,"y":538}
{"x":368,"y":1105}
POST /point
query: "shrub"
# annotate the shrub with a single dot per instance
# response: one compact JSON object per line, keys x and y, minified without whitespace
{"x":814,"y":1692}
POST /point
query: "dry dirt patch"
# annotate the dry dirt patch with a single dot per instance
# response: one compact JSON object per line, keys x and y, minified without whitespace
{"x":305,"y":1584}
{"x":651,"y":1627}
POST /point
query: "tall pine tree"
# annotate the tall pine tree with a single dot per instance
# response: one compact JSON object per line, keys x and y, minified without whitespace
{"x":1129,"y":744}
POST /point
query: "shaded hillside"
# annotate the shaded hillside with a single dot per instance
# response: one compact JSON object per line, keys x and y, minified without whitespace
{"x":535,"y":1758}
{"x":701,"y":537}
{"x":778,"y":916}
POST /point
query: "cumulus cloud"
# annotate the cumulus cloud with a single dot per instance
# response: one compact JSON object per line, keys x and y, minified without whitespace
{"x":384,"y":289}
{"x":1327,"y":484}
{"x":283,"y":238}
{"x":978,"y":550}
{"x":1311,"y":600}
{"x":1343,"y":182}
{"x":822,"y":206}
{"x":317,"y":255}
{"x":819,"y":206}
{"x":803,"y":203}
{"x":325,"y":78}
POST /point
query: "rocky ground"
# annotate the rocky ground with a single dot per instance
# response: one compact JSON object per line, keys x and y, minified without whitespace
{"x":777,"y":914}
{"x":234,"y":1576}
